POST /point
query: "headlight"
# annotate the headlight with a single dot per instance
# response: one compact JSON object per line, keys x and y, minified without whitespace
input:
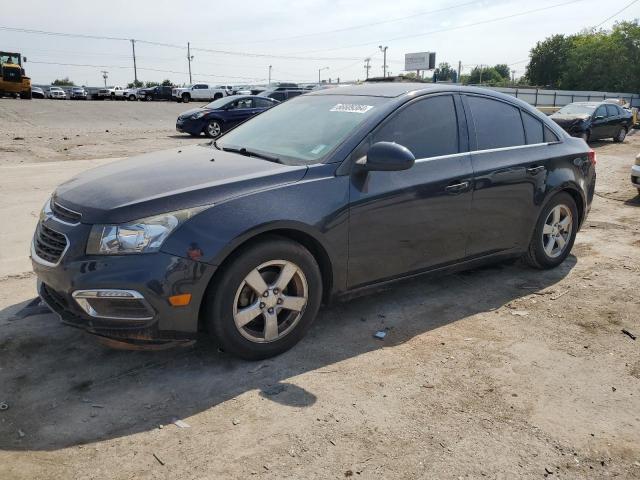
{"x":638,"y":159}
{"x":140,"y":236}
{"x":198,"y":115}
{"x":46,"y":210}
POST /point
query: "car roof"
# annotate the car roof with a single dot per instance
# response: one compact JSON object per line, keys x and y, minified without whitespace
{"x":591,"y":104}
{"x":398,"y":89}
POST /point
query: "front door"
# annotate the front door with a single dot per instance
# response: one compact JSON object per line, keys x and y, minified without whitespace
{"x":239,"y":111}
{"x":410,"y":221}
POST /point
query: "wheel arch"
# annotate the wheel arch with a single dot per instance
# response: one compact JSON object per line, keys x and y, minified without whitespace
{"x":299,"y":235}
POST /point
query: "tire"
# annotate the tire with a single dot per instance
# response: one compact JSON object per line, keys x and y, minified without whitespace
{"x":26,"y":95}
{"x":217,"y":96}
{"x":213,"y":129}
{"x":186,"y":98}
{"x":132,"y":98}
{"x":149,"y":98}
{"x":230,"y":294}
{"x":622,"y":134}
{"x":539,"y":255}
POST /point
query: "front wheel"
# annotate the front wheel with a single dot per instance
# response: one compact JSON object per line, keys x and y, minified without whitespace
{"x":132,"y":98}
{"x":265,"y":300}
{"x":554,"y":234}
{"x":621,"y":135}
{"x":213,"y":129}
{"x":186,"y":98}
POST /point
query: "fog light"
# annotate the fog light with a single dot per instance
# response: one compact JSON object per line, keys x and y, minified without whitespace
{"x":114,"y":304}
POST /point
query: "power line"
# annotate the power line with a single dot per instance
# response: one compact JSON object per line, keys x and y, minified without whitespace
{"x":448,"y":29}
{"x":615,"y":14}
{"x":363,"y":25}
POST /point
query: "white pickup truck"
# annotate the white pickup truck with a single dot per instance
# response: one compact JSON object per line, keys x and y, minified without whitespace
{"x":114,"y":93}
{"x":198,"y":91}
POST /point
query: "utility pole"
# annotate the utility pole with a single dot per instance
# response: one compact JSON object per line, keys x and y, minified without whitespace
{"x":135,"y":69}
{"x":513,"y":76}
{"x":459,"y":70}
{"x":384,"y":62}
{"x":105,"y":75}
{"x":319,"y":70}
{"x":367,"y":67}
{"x":189,"y":58}
{"x":270,"y":66}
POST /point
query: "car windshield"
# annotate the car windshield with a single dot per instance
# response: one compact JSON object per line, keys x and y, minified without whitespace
{"x":576,"y":109}
{"x":221,"y":102}
{"x":303,"y":130}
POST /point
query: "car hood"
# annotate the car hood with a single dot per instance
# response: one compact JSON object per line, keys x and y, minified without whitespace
{"x":169,"y":180}
{"x":565,"y":120}
{"x":188,"y":113}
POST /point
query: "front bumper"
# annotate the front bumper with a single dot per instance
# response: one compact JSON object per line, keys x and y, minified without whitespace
{"x":635,"y":176}
{"x":155,"y":276}
{"x":193,"y":127}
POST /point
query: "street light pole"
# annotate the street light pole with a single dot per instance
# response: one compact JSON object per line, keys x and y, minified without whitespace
{"x":384,"y":63}
{"x":319,"y":70}
{"x":105,"y":75}
{"x":367,"y":67}
{"x":270,"y":66}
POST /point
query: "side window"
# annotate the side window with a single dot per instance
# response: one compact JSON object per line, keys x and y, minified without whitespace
{"x":498,"y":124}
{"x":532,"y":128}
{"x":549,"y":136}
{"x":428,"y":127}
{"x":277,"y":95}
{"x":244,"y":103}
{"x":293,"y":93}
{"x":262,"y":103}
{"x":601,"y":111}
{"x":612,"y":111}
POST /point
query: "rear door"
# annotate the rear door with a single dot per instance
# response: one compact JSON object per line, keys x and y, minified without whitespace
{"x":410,"y":221}
{"x":508,"y":157}
{"x":614,"y":120}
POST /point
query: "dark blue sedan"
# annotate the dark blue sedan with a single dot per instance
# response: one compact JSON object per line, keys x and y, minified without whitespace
{"x":222,"y":114}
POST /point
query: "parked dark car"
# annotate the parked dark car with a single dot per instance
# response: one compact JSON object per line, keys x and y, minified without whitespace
{"x":282,"y":94}
{"x":221,"y":115}
{"x":594,"y":120}
{"x":155,"y":93}
{"x":77,"y":93}
{"x":331,"y":193}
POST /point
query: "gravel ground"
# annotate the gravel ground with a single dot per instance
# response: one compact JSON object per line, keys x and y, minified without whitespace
{"x":501,"y":372}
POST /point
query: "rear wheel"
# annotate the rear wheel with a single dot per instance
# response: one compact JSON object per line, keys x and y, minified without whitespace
{"x":217,"y":96}
{"x":213,"y":129}
{"x":621,"y":135}
{"x":265,"y":300}
{"x":132,"y":97}
{"x":554,"y":234}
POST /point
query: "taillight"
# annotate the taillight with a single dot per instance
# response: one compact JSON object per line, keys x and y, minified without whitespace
{"x":592,"y":157}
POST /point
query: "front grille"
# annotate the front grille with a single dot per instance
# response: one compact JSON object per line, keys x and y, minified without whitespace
{"x":48,"y":244}
{"x":64,"y":214}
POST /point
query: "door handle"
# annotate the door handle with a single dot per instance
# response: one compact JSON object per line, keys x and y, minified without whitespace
{"x":535,"y":170}
{"x":457,"y":187}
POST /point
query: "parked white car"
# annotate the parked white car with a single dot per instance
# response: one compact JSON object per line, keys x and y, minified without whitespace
{"x":198,"y":91}
{"x":131,"y":94}
{"x":56,"y":93}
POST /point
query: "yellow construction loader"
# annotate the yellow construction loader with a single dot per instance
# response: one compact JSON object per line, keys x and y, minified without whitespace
{"x":13,"y":80}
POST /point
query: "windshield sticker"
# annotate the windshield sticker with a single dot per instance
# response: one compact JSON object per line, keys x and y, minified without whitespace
{"x":351,"y":108}
{"x":318,"y":149}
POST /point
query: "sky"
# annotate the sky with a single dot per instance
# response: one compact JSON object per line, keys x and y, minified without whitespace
{"x":235,"y":42}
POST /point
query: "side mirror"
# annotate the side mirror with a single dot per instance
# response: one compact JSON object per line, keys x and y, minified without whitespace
{"x":387,"y":157}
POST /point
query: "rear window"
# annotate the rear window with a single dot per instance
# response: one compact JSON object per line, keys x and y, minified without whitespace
{"x":498,"y":124}
{"x":533,"y":129}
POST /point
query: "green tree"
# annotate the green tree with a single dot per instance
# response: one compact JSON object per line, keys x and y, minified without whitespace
{"x":135,"y":84}
{"x":504,"y":70}
{"x":151,"y":84}
{"x":444,"y":72}
{"x":548,"y":61}
{"x":167,"y":83}
{"x":63,"y":82}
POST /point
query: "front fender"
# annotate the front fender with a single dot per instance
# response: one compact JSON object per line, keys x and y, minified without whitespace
{"x":316,"y":208}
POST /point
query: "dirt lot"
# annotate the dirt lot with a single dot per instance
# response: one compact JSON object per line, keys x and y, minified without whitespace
{"x":502,"y":372}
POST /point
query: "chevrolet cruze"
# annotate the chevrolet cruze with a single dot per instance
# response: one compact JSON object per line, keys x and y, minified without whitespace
{"x":333,"y":192}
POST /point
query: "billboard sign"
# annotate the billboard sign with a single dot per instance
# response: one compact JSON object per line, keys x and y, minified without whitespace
{"x":419,"y":61}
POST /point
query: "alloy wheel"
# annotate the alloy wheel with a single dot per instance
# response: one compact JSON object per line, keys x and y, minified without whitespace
{"x":270,"y":301}
{"x":557,"y":230}
{"x":214,"y":129}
